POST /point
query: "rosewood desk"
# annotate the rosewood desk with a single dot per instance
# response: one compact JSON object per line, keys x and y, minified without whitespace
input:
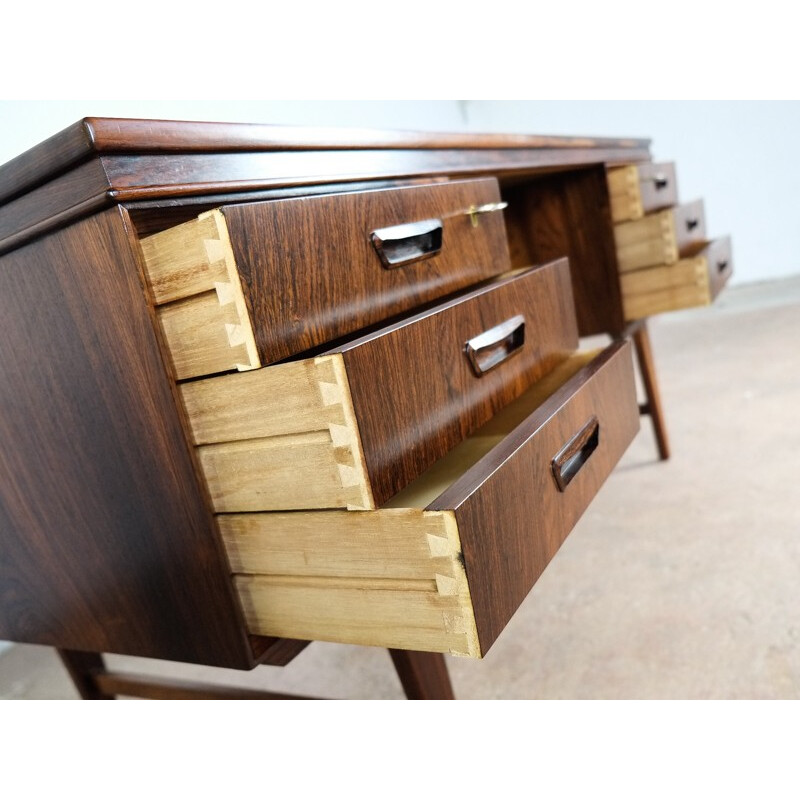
{"x":264,"y":385}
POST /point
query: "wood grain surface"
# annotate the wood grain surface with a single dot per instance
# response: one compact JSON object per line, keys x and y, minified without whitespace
{"x":513,"y":486}
{"x":105,"y":541}
{"x":414,"y":393}
{"x":93,"y":135}
{"x":568,"y":215}
{"x":141,"y":160}
{"x":310,"y":273}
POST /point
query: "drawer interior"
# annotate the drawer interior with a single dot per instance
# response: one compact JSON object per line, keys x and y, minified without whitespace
{"x":352,"y":427}
{"x":433,"y":483}
{"x":410,"y":574}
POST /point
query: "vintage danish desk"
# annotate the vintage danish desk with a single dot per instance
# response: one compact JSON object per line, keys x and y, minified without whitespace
{"x":233,"y":356}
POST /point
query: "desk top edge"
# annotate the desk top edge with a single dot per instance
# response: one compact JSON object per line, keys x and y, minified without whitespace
{"x":102,"y":135}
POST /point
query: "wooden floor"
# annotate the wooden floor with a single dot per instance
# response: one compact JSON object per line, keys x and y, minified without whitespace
{"x":679,"y":582}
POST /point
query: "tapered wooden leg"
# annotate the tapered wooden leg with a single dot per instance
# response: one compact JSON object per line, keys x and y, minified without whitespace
{"x":423,"y":675}
{"x":647,"y":369}
{"x":82,"y":668}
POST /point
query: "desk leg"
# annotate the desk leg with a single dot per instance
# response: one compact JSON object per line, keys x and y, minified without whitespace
{"x":647,"y":369}
{"x":423,"y":675}
{"x":82,"y":668}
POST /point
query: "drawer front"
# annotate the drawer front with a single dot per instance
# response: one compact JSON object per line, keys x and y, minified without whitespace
{"x":422,"y":387}
{"x":689,"y":282}
{"x":719,"y":257}
{"x":250,"y":284}
{"x":352,"y":427}
{"x":660,"y":238}
{"x":690,"y":227}
{"x":512,"y":515}
{"x":444,"y":570}
{"x":319,"y":268}
{"x":640,"y":189}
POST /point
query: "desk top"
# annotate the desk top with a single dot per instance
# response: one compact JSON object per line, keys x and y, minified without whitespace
{"x":98,"y":162}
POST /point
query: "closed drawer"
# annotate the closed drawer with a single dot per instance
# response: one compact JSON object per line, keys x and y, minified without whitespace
{"x":639,"y":189}
{"x":660,"y":238}
{"x":350,"y":428}
{"x":286,"y":276}
{"x":693,"y":281}
{"x":445,"y":567}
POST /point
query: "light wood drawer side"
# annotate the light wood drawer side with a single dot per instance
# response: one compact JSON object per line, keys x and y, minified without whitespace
{"x":281,"y":437}
{"x":194,"y":282}
{"x":387,"y":578}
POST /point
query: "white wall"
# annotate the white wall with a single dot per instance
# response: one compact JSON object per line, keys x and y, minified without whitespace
{"x":739,"y":156}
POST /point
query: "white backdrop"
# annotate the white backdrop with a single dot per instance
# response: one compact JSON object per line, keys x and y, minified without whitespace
{"x":739,"y":156}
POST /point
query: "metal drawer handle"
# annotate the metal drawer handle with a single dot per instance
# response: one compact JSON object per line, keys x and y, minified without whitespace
{"x":491,"y":348}
{"x":403,"y":244}
{"x":660,"y":180}
{"x":692,"y":223}
{"x":575,"y":453}
{"x":722,"y":265}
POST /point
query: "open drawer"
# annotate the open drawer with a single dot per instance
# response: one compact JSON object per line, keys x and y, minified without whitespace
{"x":638,"y":189}
{"x":660,"y":238}
{"x":446,"y":563}
{"x":352,"y":427}
{"x":250,"y":284}
{"x":693,"y":281}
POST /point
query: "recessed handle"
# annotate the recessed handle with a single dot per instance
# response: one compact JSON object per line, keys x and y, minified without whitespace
{"x":491,"y":348}
{"x":660,"y":181}
{"x":692,"y":223}
{"x":575,"y":453}
{"x":404,"y":244}
{"x":722,"y":265}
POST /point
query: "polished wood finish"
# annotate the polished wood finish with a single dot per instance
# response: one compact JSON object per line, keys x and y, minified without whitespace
{"x":647,"y":369}
{"x":166,"y":173}
{"x":403,"y":576}
{"x":311,"y":273}
{"x":423,"y":675}
{"x":341,"y":431}
{"x":64,"y":199}
{"x":104,"y":524}
{"x":568,"y":215}
{"x":144,"y":160}
{"x":406,"y":425}
{"x":104,"y":135}
{"x":530,"y":516}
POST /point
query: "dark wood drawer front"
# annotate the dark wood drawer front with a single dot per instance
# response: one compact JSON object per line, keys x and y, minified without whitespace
{"x":658,"y":186}
{"x":690,"y":227}
{"x":352,"y":427}
{"x":719,"y":256}
{"x":312,"y":271}
{"x":415,"y":388}
{"x":512,"y":517}
{"x":639,"y":189}
{"x":447,"y":561}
